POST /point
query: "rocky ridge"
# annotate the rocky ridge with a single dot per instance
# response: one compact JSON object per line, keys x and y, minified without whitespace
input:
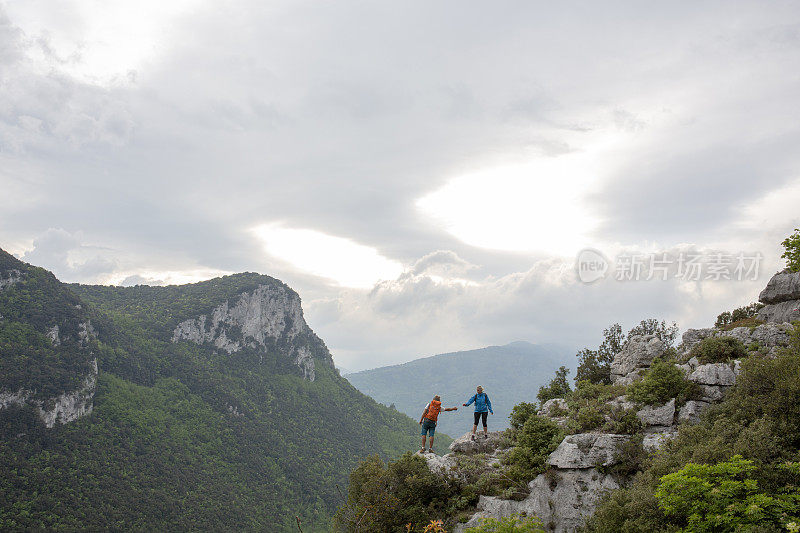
{"x":578,"y":471}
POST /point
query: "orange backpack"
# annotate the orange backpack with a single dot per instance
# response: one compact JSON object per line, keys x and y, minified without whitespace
{"x":433,"y":410}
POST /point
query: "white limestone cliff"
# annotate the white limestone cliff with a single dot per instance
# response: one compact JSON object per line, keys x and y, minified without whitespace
{"x":264,"y":318}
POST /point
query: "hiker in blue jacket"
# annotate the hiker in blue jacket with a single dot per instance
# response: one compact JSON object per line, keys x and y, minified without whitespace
{"x":483,"y":406}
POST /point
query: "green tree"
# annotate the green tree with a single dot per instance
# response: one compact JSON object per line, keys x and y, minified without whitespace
{"x":791,"y":251}
{"x":725,"y":497}
{"x":595,"y":365}
{"x":557,"y":388}
{"x":651,"y":326}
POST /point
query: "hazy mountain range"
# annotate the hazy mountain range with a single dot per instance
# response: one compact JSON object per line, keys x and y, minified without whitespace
{"x":509,"y":374}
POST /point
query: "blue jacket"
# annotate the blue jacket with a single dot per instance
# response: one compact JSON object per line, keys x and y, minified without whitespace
{"x":482,"y":403}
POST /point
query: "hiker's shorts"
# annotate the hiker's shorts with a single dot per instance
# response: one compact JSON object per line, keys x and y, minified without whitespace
{"x":428,"y":427}
{"x":484,"y":415}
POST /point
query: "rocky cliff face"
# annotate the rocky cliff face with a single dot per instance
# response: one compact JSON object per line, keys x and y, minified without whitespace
{"x":578,"y":471}
{"x":56,"y":373}
{"x":782,"y":298}
{"x":270,"y":317}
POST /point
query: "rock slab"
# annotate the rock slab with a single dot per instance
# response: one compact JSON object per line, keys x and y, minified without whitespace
{"x":638,"y":352}
{"x":587,"y":450}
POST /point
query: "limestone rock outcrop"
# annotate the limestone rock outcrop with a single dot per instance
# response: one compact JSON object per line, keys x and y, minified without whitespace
{"x":637,"y":354}
{"x":782,"y":287}
{"x":269,"y":317}
{"x":562,"y":501}
{"x":9,"y":277}
{"x":782,"y":298}
{"x":62,"y":409}
{"x":587,"y":450}
{"x":691,"y":410}
{"x":465,"y":444}
{"x":769,"y":337}
{"x":782,"y":312}
{"x":657,"y":415}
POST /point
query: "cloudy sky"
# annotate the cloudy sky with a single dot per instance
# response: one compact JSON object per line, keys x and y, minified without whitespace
{"x":424,"y":174}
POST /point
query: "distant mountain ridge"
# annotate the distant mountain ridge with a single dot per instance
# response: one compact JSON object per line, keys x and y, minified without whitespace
{"x":510,"y":374}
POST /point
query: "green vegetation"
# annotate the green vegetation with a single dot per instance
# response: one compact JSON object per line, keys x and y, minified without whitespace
{"x":726,"y":497}
{"x":509,"y":524}
{"x":758,"y":421}
{"x":538,"y":438}
{"x":390,"y":497}
{"x":718,"y":350}
{"x":595,"y":365}
{"x":791,"y":251}
{"x":30,"y":308}
{"x":520,"y":414}
{"x":182,"y":436}
{"x":660,"y":383}
{"x":557,"y":388}
{"x":741,"y":316}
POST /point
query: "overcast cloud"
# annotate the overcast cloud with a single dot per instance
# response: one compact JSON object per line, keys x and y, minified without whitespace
{"x":423,"y":174}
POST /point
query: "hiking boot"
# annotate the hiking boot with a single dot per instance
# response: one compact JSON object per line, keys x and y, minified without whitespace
{"x":472,"y":437}
{"x":422,"y":450}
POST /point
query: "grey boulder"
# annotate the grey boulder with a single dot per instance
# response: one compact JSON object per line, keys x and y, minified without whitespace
{"x":657,"y":415}
{"x":465,"y":444}
{"x":690,"y":412}
{"x":638,"y":352}
{"x":783,"y":286}
{"x":782,"y":312}
{"x":713,"y":374}
{"x":587,"y":450}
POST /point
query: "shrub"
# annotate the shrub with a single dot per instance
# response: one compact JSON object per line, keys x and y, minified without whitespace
{"x":623,"y":422}
{"x":739,"y":314}
{"x":536,"y":440}
{"x":521,"y":413}
{"x":557,"y":388}
{"x":718,"y":350}
{"x":629,"y":458}
{"x":386,"y":497}
{"x":724,"y":497}
{"x":586,"y":390}
{"x":661,"y":382}
{"x":509,"y":524}
{"x":791,"y":251}
{"x":586,"y":418}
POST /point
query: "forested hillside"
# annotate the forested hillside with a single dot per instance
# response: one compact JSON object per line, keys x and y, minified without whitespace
{"x":510,"y":374}
{"x":213,"y":407}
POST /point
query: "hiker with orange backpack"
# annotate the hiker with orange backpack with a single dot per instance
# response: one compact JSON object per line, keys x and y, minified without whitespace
{"x":428,"y":420}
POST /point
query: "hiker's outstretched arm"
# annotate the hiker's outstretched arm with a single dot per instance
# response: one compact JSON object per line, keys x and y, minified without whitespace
{"x":452,"y":409}
{"x":470,"y":400}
